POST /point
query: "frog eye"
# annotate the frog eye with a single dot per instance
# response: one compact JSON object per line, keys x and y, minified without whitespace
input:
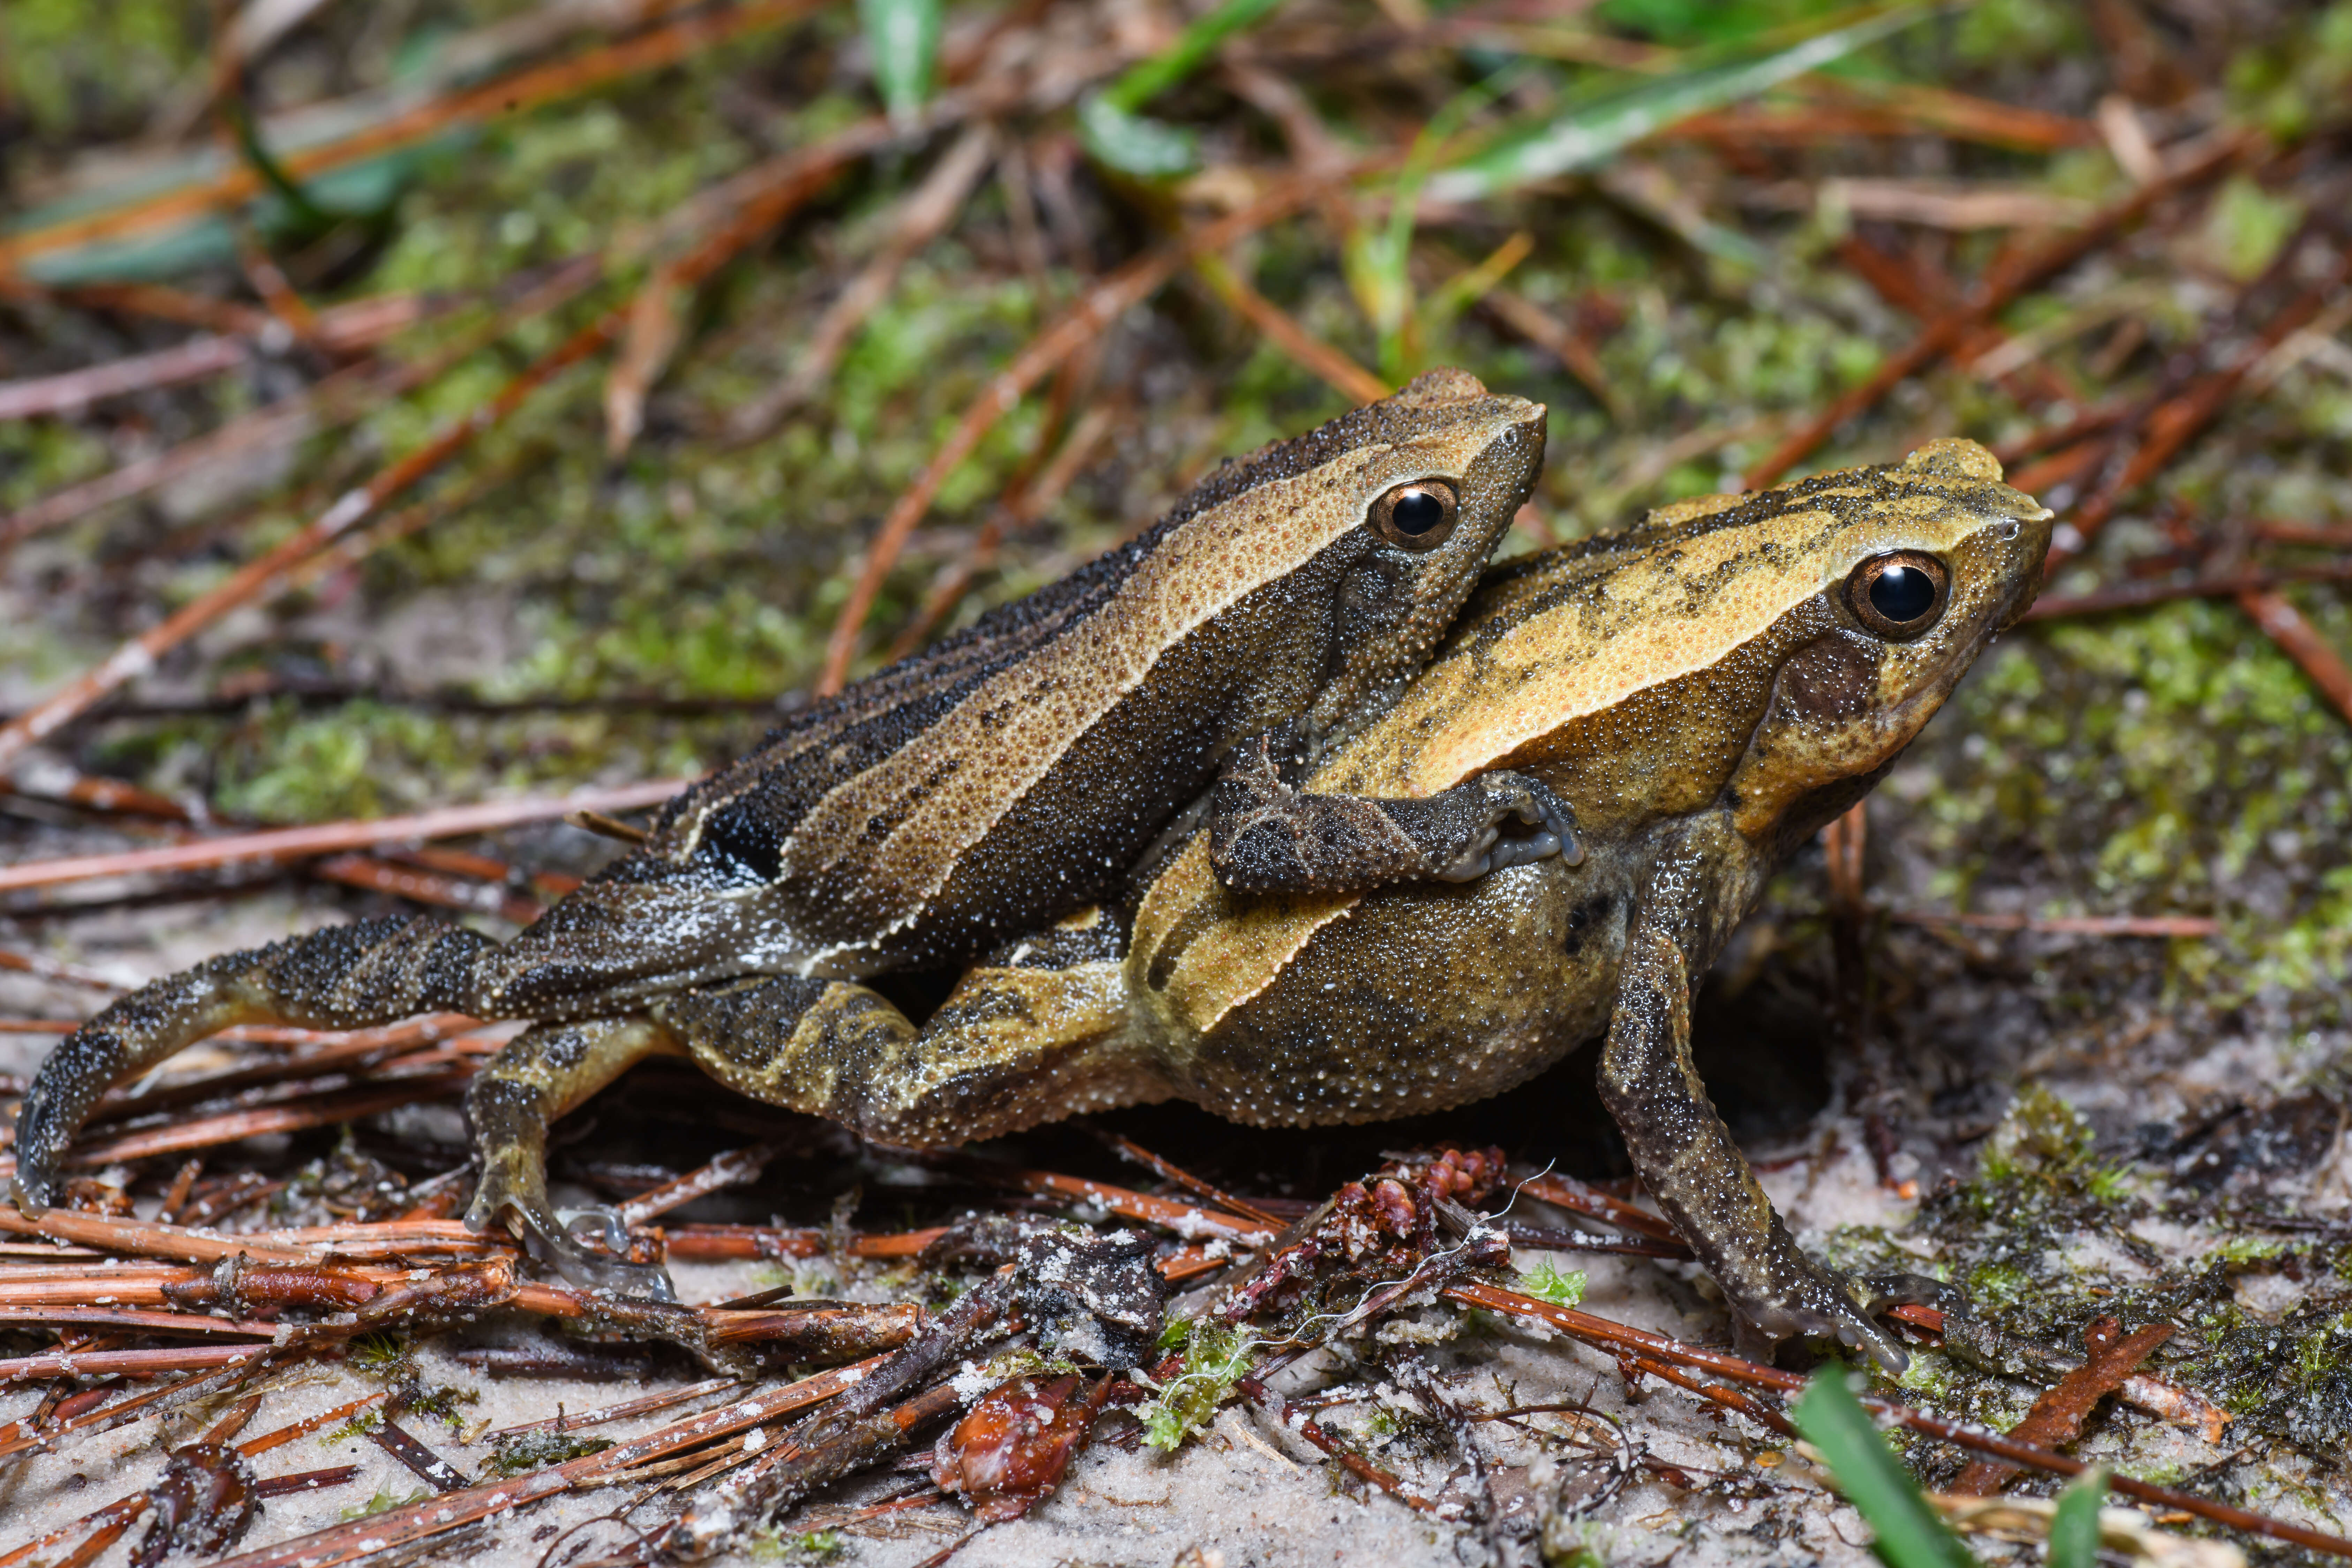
{"x":1898,"y":596}
{"x":1416,"y":516}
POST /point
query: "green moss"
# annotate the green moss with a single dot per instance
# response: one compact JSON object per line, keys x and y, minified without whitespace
{"x":383,"y":1501}
{"x":2153,"y":763}
{"x":768,"y":1544}
{"x":1216,"y":1357}
{"x":70,"y":63}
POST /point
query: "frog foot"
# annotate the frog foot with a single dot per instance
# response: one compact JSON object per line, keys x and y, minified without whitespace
{"x":553,"y":1236}
{"x":1516,"y":796}
{"x":1813,"y":1302}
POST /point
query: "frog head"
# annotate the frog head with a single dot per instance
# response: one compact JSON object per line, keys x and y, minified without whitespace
{"x":1406,"y":498}
{"x":1768,"y":652}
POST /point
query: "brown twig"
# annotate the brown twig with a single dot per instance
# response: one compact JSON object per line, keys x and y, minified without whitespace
{"x":1281,"y":329}
{"x":492,"y":99}
{"x":1293,"y":1420}
{"x":1618,"y":1337}
{"x":1168,"y":1171}
{"x":2301,"y":641}
{"x":2139,"y":596}
{"x":257,"y":577}
{"x":2057,"y":1415}
{"x":731,"y":1169}
{"x":2176,"y":926}
{"x":1982,"y":301}
{"x":433,"y":1516}
{"x":1568,"y":1193}
{"x":1186,"y":1219}
{"x":324,"y":838}
{"x":2173,"y":424}
{"x":923,"y":216}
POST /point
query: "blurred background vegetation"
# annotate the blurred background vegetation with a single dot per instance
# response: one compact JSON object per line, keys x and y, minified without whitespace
{"x":685,"y":357}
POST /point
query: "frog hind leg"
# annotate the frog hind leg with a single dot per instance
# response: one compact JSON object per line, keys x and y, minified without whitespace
{"x":344,"y":977}
{"x":1016,"y":1044}
{"x":1265,"y":837}
{"x":539,"y":1074}
{"x":1685,"y":1154}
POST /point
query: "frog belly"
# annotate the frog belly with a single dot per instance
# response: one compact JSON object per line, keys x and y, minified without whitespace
{"x":1418,"y":998}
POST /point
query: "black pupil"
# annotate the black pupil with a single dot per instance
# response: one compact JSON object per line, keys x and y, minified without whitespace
{"x":1417,"y":511}
{"x":1902,"y":593}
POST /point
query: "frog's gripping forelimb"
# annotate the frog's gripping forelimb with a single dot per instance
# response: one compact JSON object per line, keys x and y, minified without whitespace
{"x":1268,"y":838}
{"x":345,"y":977}
{"x":1688,"y":1162}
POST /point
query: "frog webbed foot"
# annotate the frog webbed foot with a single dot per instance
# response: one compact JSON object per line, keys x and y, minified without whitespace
{"x":1811,"y":1301}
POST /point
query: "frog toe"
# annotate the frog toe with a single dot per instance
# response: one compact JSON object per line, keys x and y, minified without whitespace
{"x":1822,"y":1305}
{"x":1884,"y":1290}
{"x":551,"y":1236}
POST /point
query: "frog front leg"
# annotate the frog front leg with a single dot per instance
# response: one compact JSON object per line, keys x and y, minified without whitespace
{"x":1265,"y":837}
{"x":1685,"y":1154}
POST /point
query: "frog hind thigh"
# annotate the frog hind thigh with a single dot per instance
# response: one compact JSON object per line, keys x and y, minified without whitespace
{"x":344,"y":977}
{"x":1011,"y":1048}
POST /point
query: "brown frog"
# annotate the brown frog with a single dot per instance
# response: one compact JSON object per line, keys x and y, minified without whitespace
{"x":1695,"y":695}
{"x":991,"y":784}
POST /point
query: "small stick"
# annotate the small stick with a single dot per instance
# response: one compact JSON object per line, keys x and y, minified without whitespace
{"x":1987,"y":298}
{"x":429,"y":1467}
{"x":304,"y":1480}
{"x":1281,"y":329}
{"x":731,"y":1169}
{"x":1307,"y":1426}
{"x":2139,"y":596}
{"x":51,"y":969}
{"x":2057,"y":1415}
{"x":1167,"y":1171}
{"x":2296,"y":638}
{"x":2071,"y":925}
{"x":603,"y":1414}
{"x":606,"y":827}
{"x":1568,"y":1193}
{"x":1186,"y":1219}
{"x":490,"y":99}
{"x":323,"y":838}
{"x":1614,"y":1337}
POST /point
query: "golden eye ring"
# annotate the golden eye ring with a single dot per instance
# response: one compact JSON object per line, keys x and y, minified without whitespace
{"x":1416,"y":516}
{"x":1900,"y":594}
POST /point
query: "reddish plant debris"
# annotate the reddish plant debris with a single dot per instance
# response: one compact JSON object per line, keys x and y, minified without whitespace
{"x":1011,"y":1452}
{"x":2057,"y":1416}
{"x":1388,"y":1223}
{"x":204,"y":1504}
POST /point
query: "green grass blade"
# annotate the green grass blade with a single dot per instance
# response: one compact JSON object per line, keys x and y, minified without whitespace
{"x":904,"y":36}
{"x":1114,"y":134}
{"x":1147,"y":79}
{"x":1907,"y":1533}
{"x":2075,"y":1528}
{"x":1590,"y":132}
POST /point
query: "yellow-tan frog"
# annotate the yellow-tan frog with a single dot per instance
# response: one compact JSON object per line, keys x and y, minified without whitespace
{"x":1704,"y":690}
